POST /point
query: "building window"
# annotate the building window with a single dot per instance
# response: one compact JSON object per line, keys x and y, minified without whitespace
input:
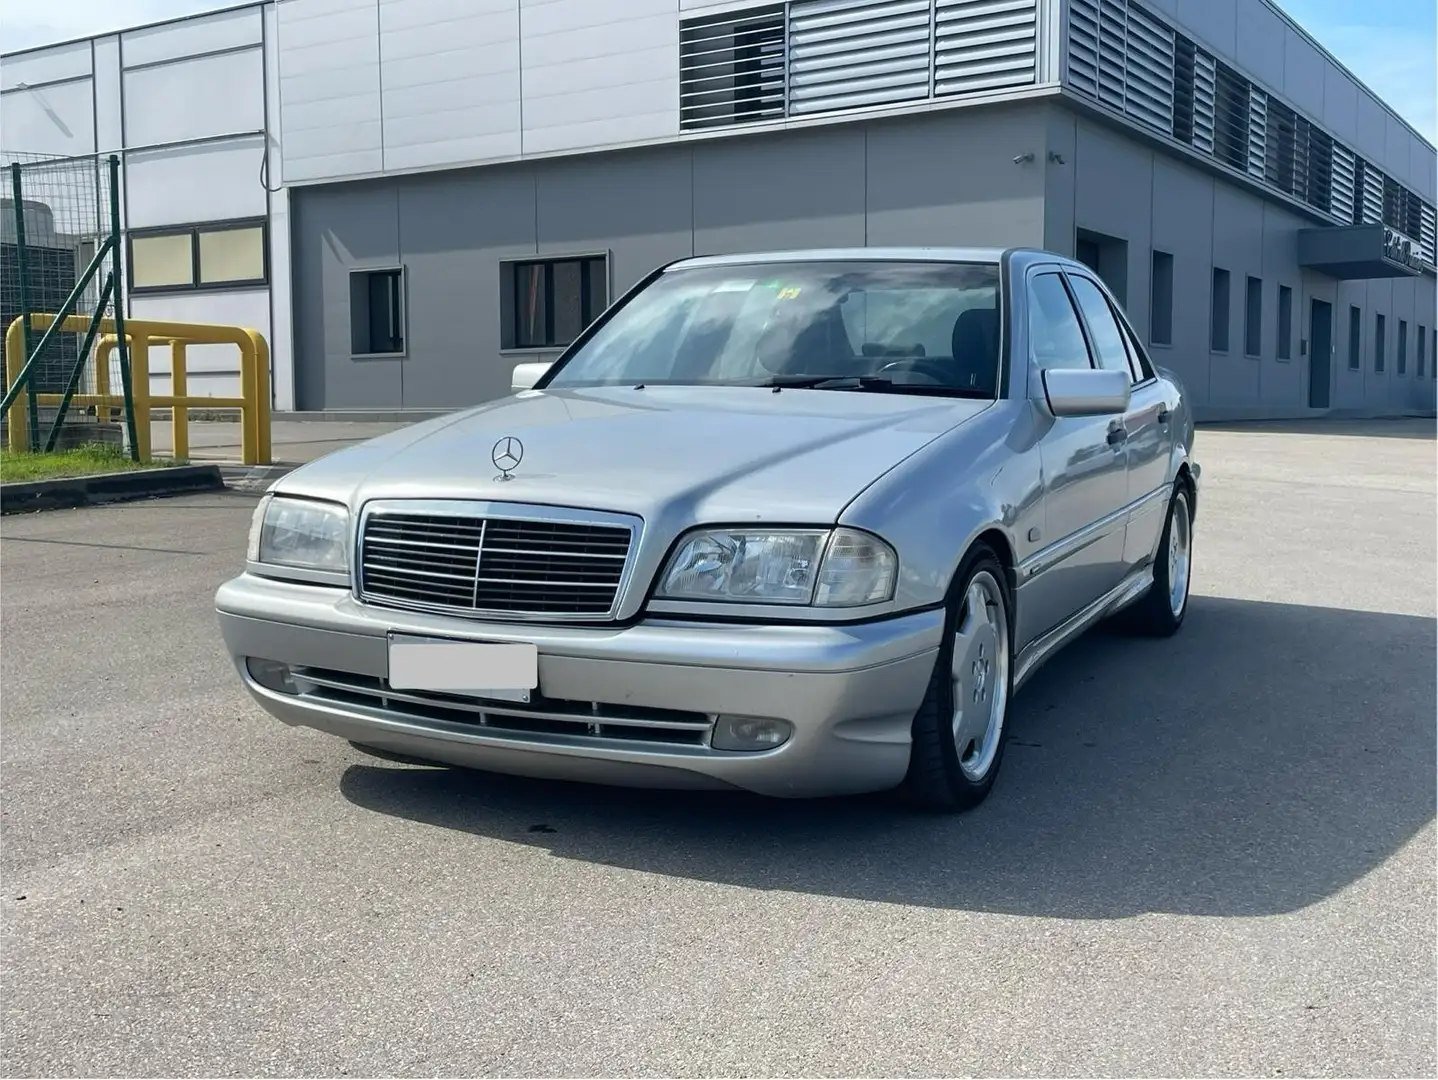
{"x":1402,"y":346}
{"x":1355,"y":337}
{"x":216,"y":255}
{"x":1161,"y":300}
{"x":1253,"y":318}
{"x":548,"y":303}
{"x":377,"y":311}
{"x":1380,"y":339}
{"x":1285,"y":323}
{"x":1218,"y":318}
{"x":1421,"y":355}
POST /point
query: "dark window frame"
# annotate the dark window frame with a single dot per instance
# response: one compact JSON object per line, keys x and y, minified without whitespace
{"x":510,"y":314}
{"x":1380,"y":343}
{"x":193,"y":230}
{"x":1252,"y":317}
{"x":1283,"y":344}
{"x":1355,"y":338}
{"x":1420,"y":354}
{"x":368,"y":272}
{"x":1157,"y":258}
{"x":1217,"y":326}
{"x":1400,"y":364}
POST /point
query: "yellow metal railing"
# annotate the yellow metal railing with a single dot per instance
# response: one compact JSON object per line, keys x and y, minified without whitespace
{"x":253,"y":402}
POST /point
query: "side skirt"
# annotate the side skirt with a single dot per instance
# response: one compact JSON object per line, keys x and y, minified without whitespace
{"x":1034,"y":654}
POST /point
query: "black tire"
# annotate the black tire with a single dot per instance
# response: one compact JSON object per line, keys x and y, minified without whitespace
{"x":1154,"y":615}
{"x":935,"y":780}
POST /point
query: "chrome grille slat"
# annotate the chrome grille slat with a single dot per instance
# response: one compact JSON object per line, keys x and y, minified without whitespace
{"x":494,"y":564}
{"x":577,"y":721}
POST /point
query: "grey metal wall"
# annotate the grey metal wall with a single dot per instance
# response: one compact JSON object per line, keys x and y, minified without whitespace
{"x":945,"y":178}
{"x":1119,"y":187}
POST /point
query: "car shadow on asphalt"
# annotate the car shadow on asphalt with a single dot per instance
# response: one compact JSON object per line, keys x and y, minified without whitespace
{"x":1264,"y":759}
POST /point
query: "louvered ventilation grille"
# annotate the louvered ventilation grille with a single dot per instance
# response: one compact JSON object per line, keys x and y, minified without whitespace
{"x":1341,"y":202}
{"x":1148,"y":88}
{"x":1428,"y":235}
{"x":1120,"y":54}
{"x":846,"y":54}
{"x":1372,"y":195}
{"x":1319,"y":167}
{"x":731,"y":68}
{"x":1205,"y":102}
{"x":1183,"y":72}
{"x":984,"y":45}
{"x":1257,"y":132}
{"x":1230,"y":128}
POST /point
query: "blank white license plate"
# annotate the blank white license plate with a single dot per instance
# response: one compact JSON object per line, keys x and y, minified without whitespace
{"x":504,"y":671}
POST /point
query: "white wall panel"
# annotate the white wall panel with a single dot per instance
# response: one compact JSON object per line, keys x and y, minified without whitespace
{"x":450,"y":76}
{"x":207,"y":182}
{"x":1214,"y":23}
{"x":1261,"y":38}
{"x":212,"y":370}
{"x":1371,"y":139}
{"x":56,"y":119}
{"x":108,"y":121}
{"x":328,"y":58}
{"x":1340,"y":103}
{"x":194,"y":99}
{"x":190,"y":37}
{"x":45,"y":65}
{"x":1304,"y":68}
{"x":595,"y":73}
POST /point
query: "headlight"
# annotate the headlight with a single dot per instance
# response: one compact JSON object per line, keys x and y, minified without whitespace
{"x":300,"y":533}
{"x":827,"y":568}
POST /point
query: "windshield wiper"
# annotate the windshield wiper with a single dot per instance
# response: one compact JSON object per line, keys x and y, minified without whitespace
{"x":872,"y":383}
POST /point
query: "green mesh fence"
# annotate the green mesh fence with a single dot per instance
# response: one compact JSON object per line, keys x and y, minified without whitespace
{"x":56,"y":215}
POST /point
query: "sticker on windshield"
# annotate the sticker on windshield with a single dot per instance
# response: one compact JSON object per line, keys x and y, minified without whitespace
{"x":788,"y":293}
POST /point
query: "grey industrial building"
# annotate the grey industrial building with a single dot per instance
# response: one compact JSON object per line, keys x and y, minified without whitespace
{"x":456,"y":186}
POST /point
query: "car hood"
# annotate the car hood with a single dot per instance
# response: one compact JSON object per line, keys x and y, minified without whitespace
{"x":730,"y":454}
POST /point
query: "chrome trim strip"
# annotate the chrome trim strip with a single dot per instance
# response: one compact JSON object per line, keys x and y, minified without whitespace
{"x":487,"y":510}
{"x":1059,"y":550}
{"x":485,"y":708}
{"x":1042,"y":648}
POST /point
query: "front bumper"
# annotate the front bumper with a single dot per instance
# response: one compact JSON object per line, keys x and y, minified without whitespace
{"x":628,"y":706}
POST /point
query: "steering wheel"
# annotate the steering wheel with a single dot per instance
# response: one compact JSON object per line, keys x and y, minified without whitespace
{"x":929,"y":367}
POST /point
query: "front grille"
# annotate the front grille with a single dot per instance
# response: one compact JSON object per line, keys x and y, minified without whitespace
{"x":571,"y":721}
{"x":508,"y":566}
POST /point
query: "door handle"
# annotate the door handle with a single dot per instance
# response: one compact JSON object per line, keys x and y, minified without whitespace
{"x":1163,"y":414}
{"x":1117,"y":434}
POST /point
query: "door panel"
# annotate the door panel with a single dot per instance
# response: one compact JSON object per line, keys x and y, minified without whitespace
{"x":1145,"y":423}
{"x":1084,"y":477}
{"x":1150,"y":442}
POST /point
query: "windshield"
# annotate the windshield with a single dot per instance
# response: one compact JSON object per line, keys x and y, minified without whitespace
{"x":918,"y":327}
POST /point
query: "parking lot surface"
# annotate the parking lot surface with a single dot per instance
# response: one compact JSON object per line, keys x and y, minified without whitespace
{"x":1212,"y":855}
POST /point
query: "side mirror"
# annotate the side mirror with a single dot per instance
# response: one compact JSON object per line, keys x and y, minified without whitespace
{"x":526,"y":375}
{"x":1086,"y":391}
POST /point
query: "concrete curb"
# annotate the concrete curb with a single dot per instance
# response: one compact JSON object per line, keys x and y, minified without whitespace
{"x":254,"y":477}
{"x":75,"y":491}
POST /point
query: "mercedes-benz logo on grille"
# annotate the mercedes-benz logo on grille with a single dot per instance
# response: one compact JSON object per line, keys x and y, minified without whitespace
{"x":508,"y":452}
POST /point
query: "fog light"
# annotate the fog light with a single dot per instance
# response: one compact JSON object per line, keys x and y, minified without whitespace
{"x":750,"y":733}
{"x":271,"y":674}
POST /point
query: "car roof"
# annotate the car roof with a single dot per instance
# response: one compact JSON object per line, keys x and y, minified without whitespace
{"x":848,"y":254}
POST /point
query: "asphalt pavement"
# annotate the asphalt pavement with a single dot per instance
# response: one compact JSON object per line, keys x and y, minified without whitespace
{"x":1209,"y":856}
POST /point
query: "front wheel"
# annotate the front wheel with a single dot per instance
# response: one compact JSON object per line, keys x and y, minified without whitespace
{"x":958,"y":734}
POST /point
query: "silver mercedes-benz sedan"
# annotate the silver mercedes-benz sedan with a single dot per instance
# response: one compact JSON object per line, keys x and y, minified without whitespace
{"x":800,"y":523}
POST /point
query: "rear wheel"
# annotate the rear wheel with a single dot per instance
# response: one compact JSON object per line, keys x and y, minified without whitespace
{"x":958,"y":734}
{"x":1161,"y":611}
